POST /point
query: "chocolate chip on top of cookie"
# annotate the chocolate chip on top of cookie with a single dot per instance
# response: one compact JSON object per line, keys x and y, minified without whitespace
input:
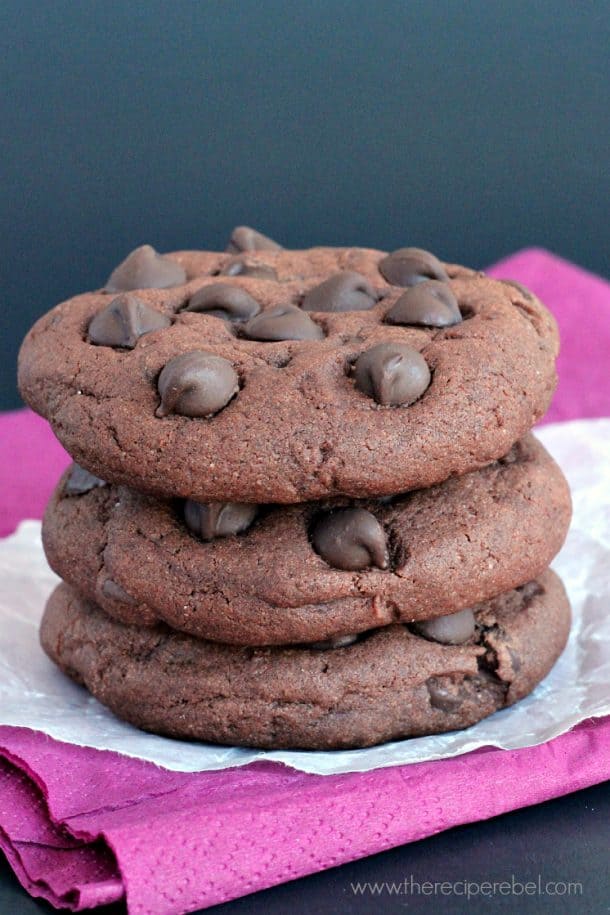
{"x":284,"y":322}
{"x":243,"y":238}
{"x":409,"y":266}
{"x":392,"y":374}
{"x":196,"y":384}
{"x":346,"y":291}
{"x":124,"y":321}
{"x":145,"y":268}
{"x":221,"y":300}
{"x":430,"y":303}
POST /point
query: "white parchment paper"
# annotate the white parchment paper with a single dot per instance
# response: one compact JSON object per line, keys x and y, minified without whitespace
{"x":34,"y":694}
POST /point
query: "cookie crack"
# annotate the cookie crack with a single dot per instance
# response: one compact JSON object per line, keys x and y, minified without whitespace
{"x":488,"y":662}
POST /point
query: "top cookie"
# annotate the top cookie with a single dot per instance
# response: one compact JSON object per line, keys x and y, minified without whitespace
{"x":268,"y":375}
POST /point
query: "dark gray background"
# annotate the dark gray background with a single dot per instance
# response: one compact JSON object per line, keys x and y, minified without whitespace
{"x":471,"y":128}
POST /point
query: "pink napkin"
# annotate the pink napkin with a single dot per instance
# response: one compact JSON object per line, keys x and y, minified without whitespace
{"x":174,"y":842}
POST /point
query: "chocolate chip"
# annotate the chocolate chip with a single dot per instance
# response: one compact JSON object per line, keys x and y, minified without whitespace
{"x":218,"y":519}
{"x":454,"y":629}
{"x":284,"y":322}
{"x":113,"y":590}
{"x":350,"y":539}
{"x":430,"y":303}
{"x":124,"y":321}
{"x":144,"y":268}
{"x":346,"y":291}
{"x":392,"y":373}
{"x":340,"y":641}
{"x":237,"y":266}
{"x":409,"y":266}
{"x":81,"y":481}
{"x":243,"y":238}
{"x":224,"y":301}
{"x":196,"y":384}
{"x":441,"y":696}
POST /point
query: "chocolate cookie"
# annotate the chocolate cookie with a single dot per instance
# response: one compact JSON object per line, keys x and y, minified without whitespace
{"x":266,"y":375}
{"x":249,"y":575}
{"x":390,"y":684}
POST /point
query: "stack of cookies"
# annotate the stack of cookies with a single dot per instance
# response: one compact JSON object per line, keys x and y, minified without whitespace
{"x":306,"y":509}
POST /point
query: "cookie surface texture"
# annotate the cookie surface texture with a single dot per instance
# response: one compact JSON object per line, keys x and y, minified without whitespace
{"x":247,"y":575}
{"x":391,"y":684}
{"x":320,"y":386}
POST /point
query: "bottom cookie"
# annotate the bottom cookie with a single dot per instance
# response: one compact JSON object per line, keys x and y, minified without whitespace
{"x":389,"y":684}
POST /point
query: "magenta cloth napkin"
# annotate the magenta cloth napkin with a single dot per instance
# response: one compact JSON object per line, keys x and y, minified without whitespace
{"x":83,"y":827}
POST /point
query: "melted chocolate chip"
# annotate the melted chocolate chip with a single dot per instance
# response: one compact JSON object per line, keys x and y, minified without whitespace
{"x":238,"y":266}
{"x":392,"y":373}
{"x":430,"y":303}
{"x":81,"y":481}
{"x":224,"y":301}
{"x":243,"y":238}
{"x":144,"y":268}
{"x":346,"y":291}
{"x":350,"y":539}
{"x":340,"y":641}
{"x":409,"y":266}
{"x":218,"y":519}
{"x":113,"y":590}
{"x":196,"y":384}
{"x":454,"y":629}
{"x":124,"y":321}
{"x":284,"y":322}
{"x":441,"y":697}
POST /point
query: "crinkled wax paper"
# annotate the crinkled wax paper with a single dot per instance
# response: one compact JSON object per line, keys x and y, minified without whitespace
{"x":34,"y":694}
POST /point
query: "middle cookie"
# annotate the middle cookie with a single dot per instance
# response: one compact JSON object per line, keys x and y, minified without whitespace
{"x":277,"y":575}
